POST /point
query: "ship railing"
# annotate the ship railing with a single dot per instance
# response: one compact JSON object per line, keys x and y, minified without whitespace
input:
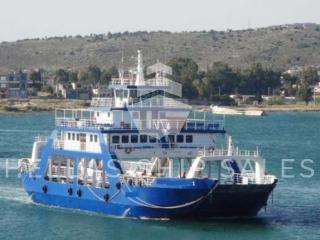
{"x":159,"y":102}
{"x":135,"y":166}
{"x":81,"y":123}
{"x":169,"y":124}
{"x":136,"y":180}
{"x":159,"y":82}
{"x":58,"y":144}
{"x":249,"y":178}
{"x":40,"y":138}
{"x":102,"y":102}
{"x":211,"y":152}
{"x":84,"y":119}
{"x":122,"y":81}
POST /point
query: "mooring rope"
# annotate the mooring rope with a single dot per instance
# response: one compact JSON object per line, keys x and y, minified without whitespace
{"x":149,"y":205}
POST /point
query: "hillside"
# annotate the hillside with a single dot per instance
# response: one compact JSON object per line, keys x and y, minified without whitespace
{"x":278,"y":46}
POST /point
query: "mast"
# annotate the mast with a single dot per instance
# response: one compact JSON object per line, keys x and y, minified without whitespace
{"x":139,"y":77}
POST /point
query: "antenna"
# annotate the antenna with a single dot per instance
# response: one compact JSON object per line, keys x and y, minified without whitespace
{"x":121,"y":70}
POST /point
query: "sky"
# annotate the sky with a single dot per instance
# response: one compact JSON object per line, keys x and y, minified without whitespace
{"x":20,"y":19}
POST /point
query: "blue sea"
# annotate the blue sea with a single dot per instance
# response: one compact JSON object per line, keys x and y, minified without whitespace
{"x":294,"y":212}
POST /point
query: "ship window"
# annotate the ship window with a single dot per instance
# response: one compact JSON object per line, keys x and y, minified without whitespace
{"x":143,"y":138}
{"x":152,"y":139}
{"x":125,"y":139}
{"x":115,"y":139}
{"x":95,"y":138}
{"x":73,"y":136}
{"x":59,"y":169}
{"x":98,"y":114}
{"x":91,"y":138}
{"x":180,"y":138}
{"x":171,"y":138}
{"x":78,"y":136}
{"x":125,"y":93}
{"x":134,"y":138}
{"x":108,"y":114}
{"x":189,"y":138}
{"x":69,"y":136}
{"x":162,"y":115}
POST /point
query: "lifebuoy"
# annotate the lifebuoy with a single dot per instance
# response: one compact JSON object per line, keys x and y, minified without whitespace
{"x":128,"y":150}
{"x":45,"y":189}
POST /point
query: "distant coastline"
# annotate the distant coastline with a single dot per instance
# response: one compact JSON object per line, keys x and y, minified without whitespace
{"x":10,"y":106}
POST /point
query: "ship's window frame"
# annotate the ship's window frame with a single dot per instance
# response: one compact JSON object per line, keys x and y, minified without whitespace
{"x":143,"y":138}
{"x":152,"y":139}
{"x":115,"y":139}
{"x":117,"y":93}
{"x":134,"y":138}
{"x":69,"y":136}
{"x":189,"y":138}
{"x":180,"y":138}
{"x":91,"y":138}
{"x":78,"y":137}
{"x":95,"y":138}
{"x":125,"y":139}
{"x":73,"y":136}
{"x":171,"y":138}
{"x":135,"y":115}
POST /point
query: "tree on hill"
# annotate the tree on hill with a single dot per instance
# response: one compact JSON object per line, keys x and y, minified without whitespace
{"x":107,"y":75}
{"x":73,"y":76}
{"x":258,"y":81}
{"x":185,"y":71}
{"x":308,"y":78}
{"x":62,"y":76}
{"x":220,"y":79}
{"x":94,"y":74}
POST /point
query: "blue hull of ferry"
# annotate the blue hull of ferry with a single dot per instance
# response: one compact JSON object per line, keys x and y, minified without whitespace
{"x":157,"y":201}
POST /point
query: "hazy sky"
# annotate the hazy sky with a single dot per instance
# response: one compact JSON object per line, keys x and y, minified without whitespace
{"x":39,"y":18}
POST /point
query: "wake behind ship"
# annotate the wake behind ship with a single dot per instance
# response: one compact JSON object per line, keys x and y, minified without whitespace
{"x":143,"y":153}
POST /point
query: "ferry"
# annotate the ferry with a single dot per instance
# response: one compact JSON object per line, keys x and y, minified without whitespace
{"x":143,"y":153}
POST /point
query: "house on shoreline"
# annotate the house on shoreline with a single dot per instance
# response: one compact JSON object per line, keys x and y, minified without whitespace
{"x":14,"y":85}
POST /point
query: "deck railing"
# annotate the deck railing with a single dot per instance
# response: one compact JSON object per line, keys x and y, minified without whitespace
{"x":156,"y":102}
{"x":102,"y":102}
{"x":249,"y":178}
{"x":207,"y":152}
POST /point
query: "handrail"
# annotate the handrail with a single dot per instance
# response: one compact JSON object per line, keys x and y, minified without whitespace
{"x":102,"y":102}
{"x":206,"y":152}
{"x":152,"y":124}
{"x":249,"y":178}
